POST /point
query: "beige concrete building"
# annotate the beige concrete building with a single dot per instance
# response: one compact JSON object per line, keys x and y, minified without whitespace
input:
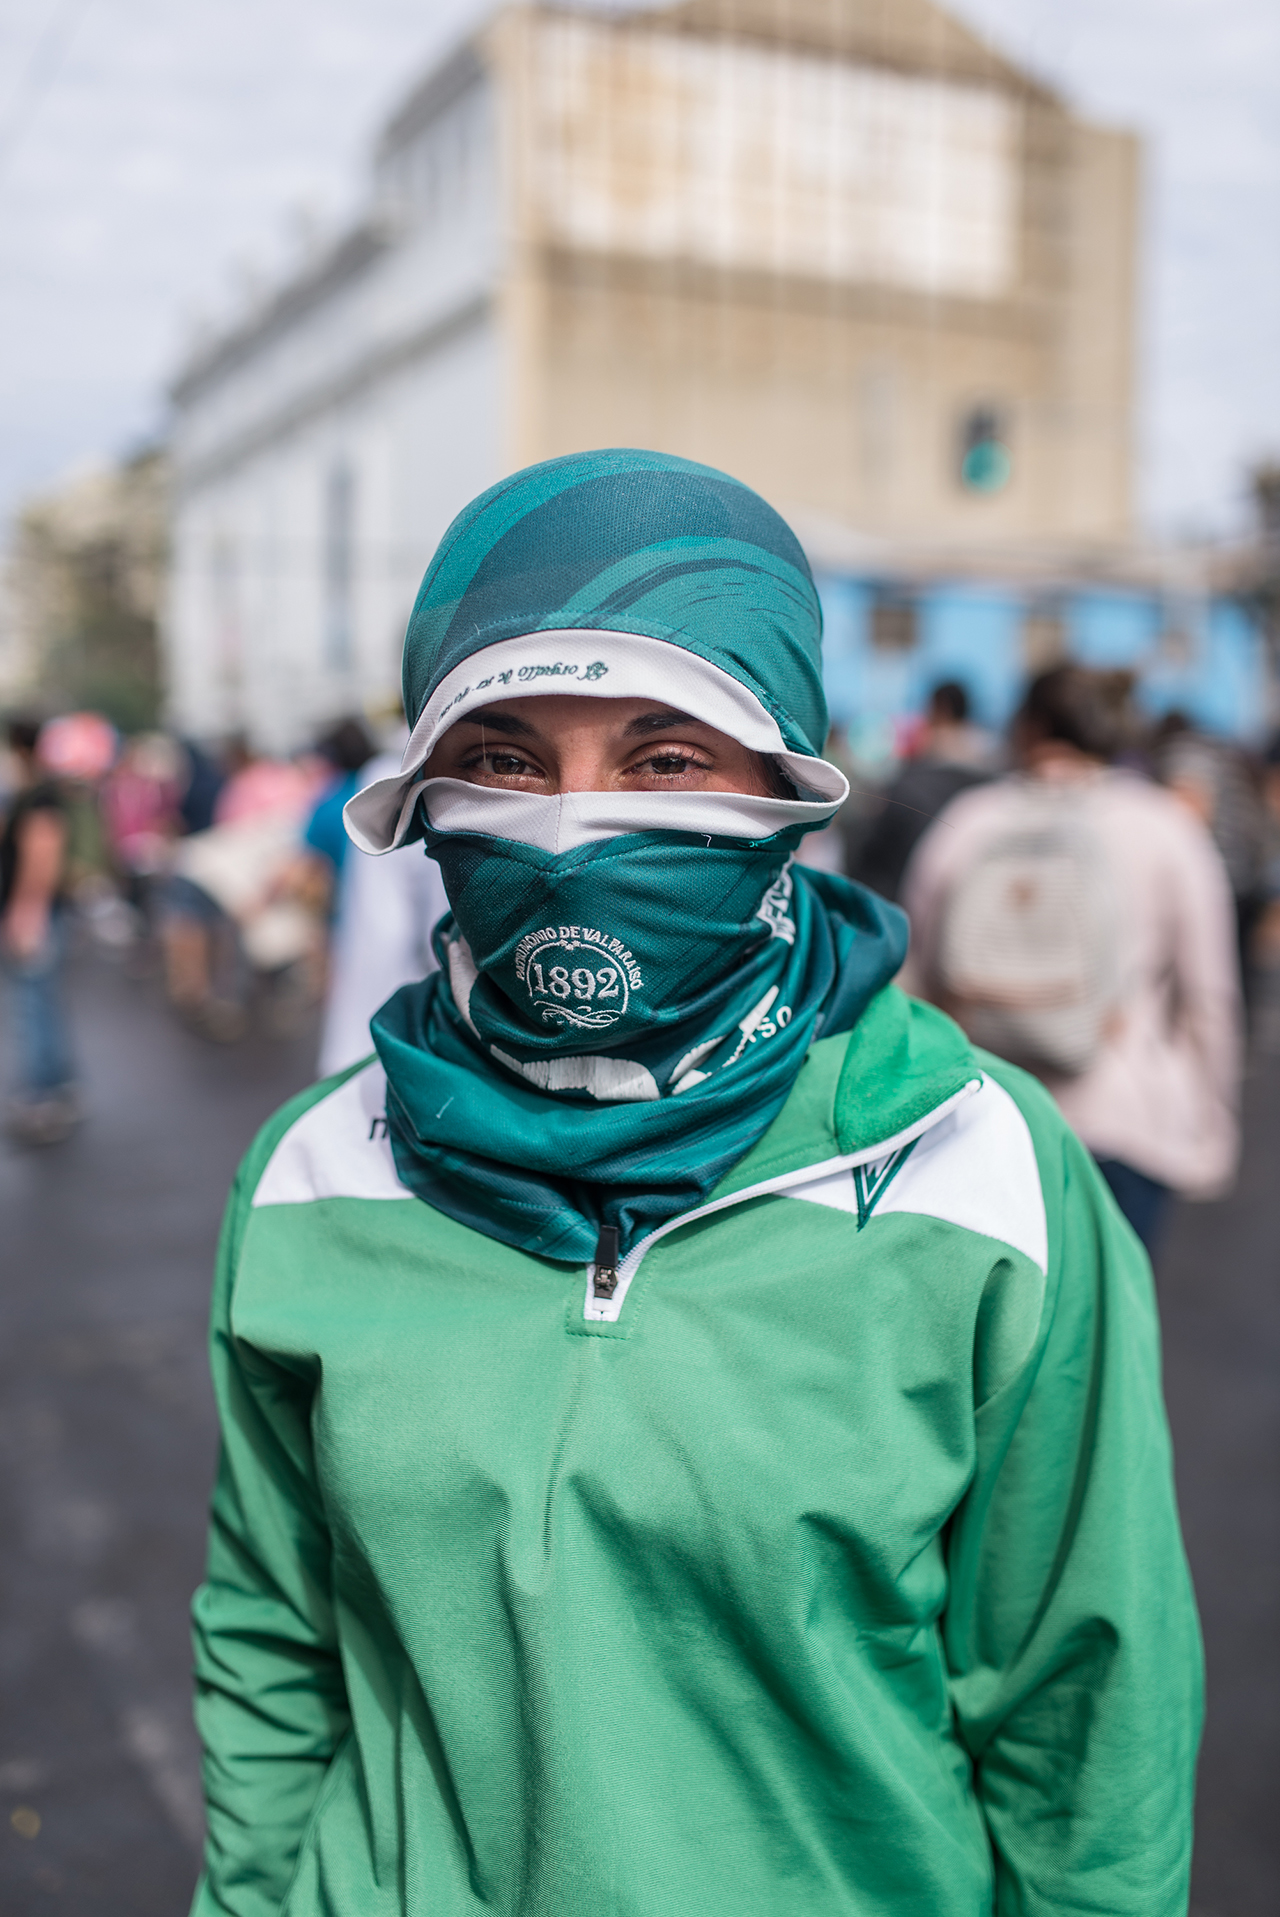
{"x":840,"y":247}
{"x":811,"y":242}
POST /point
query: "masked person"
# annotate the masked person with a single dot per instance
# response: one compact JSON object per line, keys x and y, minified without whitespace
{"x":692,"y":1426}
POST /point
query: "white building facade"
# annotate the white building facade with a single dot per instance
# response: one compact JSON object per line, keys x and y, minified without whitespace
{"x":320,"y":453}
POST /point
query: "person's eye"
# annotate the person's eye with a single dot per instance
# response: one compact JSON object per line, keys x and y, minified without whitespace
{"x":502,"y":764}
{"x":671,"y":765}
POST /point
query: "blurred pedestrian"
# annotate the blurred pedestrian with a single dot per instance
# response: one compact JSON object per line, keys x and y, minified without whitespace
{"x":1225,"y":788}
{"x":345,"y":748}
{"x":1077,"y":919}
{"x":202,"y":783}
{"x":692,"y":1433}
{"x":43,"y":1105}
{"x":78,"y":750}
{"x":259,"y":786}
{"x":387,"y":909}
{"x":952,"y":754}
{"x":229,"y":908}
{"x":140,"y":801}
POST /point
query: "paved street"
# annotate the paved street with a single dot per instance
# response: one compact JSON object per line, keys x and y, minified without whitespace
{"x":106,"y":1449}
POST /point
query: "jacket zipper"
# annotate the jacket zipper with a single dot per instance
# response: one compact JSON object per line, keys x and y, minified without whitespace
{"x":609,"y":1279}
{"x":604,"y":1273}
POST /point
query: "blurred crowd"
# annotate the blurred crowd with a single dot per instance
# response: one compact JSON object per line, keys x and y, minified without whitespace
{"x":228,"y":869}
{"x":1095,"y":895}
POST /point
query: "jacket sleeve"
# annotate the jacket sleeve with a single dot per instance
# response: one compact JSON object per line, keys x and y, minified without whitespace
{"x":1071,"y":1630}
{"x":271,"y":1703}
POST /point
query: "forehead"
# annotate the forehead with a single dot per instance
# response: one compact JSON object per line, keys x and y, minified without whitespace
{"x":548,"y":715}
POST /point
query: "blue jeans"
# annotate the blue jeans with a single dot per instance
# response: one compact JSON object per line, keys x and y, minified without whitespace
{"x":37,"y":1025}
{"x":1144,"y":1201}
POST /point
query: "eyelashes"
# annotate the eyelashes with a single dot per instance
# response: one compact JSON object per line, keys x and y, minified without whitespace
{"x":667,"y":765}
{"x":503,"y":765}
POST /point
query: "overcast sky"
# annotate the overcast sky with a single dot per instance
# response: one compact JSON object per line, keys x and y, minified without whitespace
{"x":152,"y":156}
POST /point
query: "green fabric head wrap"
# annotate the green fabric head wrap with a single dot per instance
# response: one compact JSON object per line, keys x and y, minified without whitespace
{"x":616,"y":542}
{"x":629,"y":983}
{"x":636,"y":542}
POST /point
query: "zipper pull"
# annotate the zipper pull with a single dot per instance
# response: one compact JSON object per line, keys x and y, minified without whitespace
{"x":604,"y":1279}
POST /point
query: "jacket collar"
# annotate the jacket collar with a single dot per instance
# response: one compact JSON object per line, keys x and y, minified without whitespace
{"x":902,"y":1062}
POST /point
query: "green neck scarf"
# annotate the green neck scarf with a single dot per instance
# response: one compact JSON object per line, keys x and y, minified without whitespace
{"x":613,"y":1027}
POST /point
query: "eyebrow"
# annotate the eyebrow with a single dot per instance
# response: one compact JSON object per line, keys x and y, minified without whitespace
{"x":497,"y":721}
{"x":641,"y":728}
{"x":659,"y":722}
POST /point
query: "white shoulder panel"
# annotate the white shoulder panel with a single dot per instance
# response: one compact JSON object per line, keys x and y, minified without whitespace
{"x":338,"y":1149}
{"x":976,"y":1168}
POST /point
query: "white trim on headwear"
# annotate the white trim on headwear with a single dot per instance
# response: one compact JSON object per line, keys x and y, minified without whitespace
{"x":562,"y":821}
{"x":599,"y":664}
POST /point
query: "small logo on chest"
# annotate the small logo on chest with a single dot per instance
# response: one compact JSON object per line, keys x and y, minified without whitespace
{"x":870,"y":1182}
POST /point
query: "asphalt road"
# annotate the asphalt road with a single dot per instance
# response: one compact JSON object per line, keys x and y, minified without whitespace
{"x":107,"y":1444}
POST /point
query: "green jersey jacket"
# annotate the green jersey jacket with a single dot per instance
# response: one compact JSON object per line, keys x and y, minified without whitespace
{"x":830,"y":1566}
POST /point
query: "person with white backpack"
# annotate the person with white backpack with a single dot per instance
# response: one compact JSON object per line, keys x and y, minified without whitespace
{"x":1077,"y":919}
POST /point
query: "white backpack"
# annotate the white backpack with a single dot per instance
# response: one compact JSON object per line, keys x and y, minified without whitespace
{"x":1029,"y":957}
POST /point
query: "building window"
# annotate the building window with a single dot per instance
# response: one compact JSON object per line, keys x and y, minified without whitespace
{"x":1044,"y":634}
{"x":894,"y":626}
{"x":339,"y":566}
{"x":986,"y":464}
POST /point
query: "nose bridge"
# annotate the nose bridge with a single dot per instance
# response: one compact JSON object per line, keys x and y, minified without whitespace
{"x":584,"y":756}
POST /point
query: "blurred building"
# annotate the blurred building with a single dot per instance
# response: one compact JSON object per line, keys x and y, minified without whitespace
{"x":82,"y":587}
{"x":839,"y":247}
{"x":1188,"y":623}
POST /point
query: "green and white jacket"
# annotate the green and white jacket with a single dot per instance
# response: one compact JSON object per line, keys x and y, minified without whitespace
{"x":829,"y":1566}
